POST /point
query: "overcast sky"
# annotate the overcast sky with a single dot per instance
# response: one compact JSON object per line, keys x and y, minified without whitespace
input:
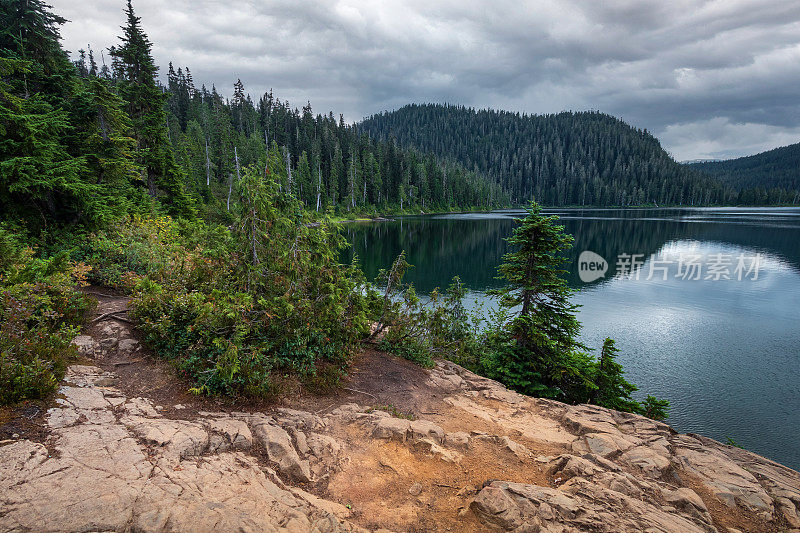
{"x":709,"y":78}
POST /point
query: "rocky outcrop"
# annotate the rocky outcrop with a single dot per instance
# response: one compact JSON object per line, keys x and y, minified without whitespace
{"x":115,"y":464}
{"x":485,"y":458}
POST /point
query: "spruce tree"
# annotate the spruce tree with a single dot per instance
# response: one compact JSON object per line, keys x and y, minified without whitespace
{"x":613,"y":391}
{"x":53,"y":170}
{"x":37,"y":173}
{"x":29,"y":31}
{"x":145,"y":106}
{"x":538,"y":351}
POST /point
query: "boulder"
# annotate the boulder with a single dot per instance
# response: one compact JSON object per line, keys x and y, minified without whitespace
{"x":275,"y":440}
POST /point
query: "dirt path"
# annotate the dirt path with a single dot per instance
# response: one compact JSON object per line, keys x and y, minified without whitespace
{"x":123,"y":447}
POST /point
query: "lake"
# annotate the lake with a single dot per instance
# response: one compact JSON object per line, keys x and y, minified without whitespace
{"x":704,"y":303}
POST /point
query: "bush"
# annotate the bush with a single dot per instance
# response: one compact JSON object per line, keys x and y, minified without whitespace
{"x":655,"y":408}
{"x":40,"y":314}
{"x":235,"y":309}
{"x":139,"y":246}
{"x":418,"y":329}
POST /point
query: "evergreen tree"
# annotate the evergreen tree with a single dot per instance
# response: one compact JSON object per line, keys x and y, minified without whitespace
{"x":29,"y":32}
{"x":144,"y":99}
{"x":539,"y":352}
{"x":586,"y":158}
{"x":65,"y":151}
{"x":36,"y":170}
{"x":613,"y":391}
{"x":107,"y":141}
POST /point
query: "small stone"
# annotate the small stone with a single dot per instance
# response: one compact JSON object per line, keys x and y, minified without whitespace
{"x":459,"y":439}
{"x":127,"y":346}
{"x":467,"y":491}
{"x":415,"y":489}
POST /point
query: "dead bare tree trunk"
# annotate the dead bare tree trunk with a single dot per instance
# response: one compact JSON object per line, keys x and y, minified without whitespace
{"x":230,"y":189}
{"x":208,"y":168}
{"x":289,"y":171}
{"x":238,"y":177}
{"x":319,"y":185}
{"x":266,"y":144}
{"x":236,"y":159}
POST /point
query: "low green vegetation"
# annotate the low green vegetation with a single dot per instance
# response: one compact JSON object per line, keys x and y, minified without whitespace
{"x":249,"y":305}
{"x":40,"y":314}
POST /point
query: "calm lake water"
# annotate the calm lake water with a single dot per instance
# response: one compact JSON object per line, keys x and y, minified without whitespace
{"x":704,"y":303}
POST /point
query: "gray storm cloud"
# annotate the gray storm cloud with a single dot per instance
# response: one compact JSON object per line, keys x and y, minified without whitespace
{"x":710,"y":79}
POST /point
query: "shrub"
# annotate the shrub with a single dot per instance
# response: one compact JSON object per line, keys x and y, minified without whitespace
{"x":655,"y":408}
{"x":418,"y":329}
{"x":40,"y":312}
{"x":236,"y":308}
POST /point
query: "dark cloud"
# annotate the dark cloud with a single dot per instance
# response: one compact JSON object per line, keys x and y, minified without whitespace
{"x":710,"y":78}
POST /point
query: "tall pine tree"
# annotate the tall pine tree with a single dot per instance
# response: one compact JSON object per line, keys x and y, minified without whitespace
{"x":136,"y":73}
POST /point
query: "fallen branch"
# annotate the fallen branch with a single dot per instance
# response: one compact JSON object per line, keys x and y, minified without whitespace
{"x":113,"y":315}
{"x":121,"y":319}
{"x":360,"y":392}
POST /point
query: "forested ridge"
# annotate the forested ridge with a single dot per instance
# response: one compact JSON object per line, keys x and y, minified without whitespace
{"x":331,"y":163}
{"x":773,"y":169}
{"x":570,"y":158}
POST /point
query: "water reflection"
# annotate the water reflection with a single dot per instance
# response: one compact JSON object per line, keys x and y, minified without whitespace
{"x":725,"y":352}
{"x":472,"y":245}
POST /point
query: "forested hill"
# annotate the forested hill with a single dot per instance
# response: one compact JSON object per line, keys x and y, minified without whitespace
{"x":331,"y":164}
{"x":586,"y":158}
{"x":778,"y":168}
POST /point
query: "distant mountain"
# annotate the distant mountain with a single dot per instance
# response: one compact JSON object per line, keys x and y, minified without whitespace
{"x":586,"y":158}
{"x":775,"y":169}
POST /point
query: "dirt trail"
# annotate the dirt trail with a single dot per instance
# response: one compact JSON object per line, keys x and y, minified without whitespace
{"x":124,"y":447}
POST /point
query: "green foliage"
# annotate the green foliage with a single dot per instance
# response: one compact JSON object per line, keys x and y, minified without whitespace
{"x":40,"y":312}
{"x":37,"y":173}
{"x":421,"y":329}
{"x":655,"y":408}
{"x":137,"y":246}
{"x":771,"y":177}
{"x":730,"y":442}
{"x":531,"y":345}
{"x":541,"y":355}
{"x":333,"y":165}
{"x":268,"y":298}
{"x":613,"y":391}
{"x":135,"y":73}
{"x":65,"y":148}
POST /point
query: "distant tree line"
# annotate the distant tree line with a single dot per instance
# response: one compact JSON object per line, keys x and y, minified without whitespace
{"x":768,"y":177}
{"x":331,"y":163}
{"x":580,"y":159}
